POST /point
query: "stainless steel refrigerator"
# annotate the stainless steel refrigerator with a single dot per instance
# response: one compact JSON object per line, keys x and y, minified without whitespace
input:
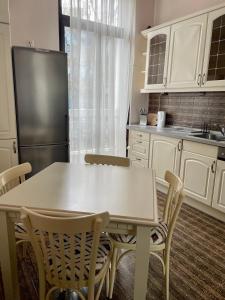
{"x":41,"y":95}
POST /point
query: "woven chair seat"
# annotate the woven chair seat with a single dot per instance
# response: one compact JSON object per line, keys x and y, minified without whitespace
{"x":104,"y":249}
{"x":158,"y":235}
{"x":19,"y":228}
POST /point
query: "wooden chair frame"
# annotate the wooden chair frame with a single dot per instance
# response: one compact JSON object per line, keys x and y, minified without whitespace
{"x":9,"y":179}
{"x":172,"y":208}
{"x":14,"y":176}
{"x":70,"y":226}
{"x":98,"y":159}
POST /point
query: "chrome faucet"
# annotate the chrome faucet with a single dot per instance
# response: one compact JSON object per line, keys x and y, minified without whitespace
{"x":221,"y":128}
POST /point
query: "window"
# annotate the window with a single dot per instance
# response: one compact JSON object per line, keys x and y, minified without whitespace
{"x":99,"y":48}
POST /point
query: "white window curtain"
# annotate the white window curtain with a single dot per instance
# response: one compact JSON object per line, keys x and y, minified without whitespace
{"x":100,"y":75}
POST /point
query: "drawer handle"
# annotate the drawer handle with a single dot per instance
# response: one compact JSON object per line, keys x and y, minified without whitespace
{"x":140,"y":135}
{"x":139,"y":159}
{"x":139,"y":142}
{"x":213,"y":167}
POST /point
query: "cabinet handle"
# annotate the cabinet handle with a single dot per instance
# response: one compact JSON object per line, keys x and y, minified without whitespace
{"x":139,"y":159}
{"x":199,"y":79}
{"x":14,"y":147}
{"x":140,"y":135}
{"x":203,"y":79}
{"x":179,"y":146}
{"x":213,"y":167}
{"x":139,"y":142}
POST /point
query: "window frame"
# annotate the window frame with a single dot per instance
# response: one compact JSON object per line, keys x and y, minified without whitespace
{"x":64,"y":21}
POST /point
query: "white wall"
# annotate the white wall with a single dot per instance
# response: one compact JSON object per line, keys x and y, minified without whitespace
{"x":167,"y":10}
{"x":144,"y":18}
{"x":34,"y":20}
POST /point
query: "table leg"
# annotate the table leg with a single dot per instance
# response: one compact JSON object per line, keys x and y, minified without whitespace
{"x":142,"y":262}
{"x":8,"y":258}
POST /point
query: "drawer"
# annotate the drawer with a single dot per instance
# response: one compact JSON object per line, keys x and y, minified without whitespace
{"x":199,"y":148}
{"x":141,"y":148}
{"x":139,"y":135}
{"x":137,"y":161}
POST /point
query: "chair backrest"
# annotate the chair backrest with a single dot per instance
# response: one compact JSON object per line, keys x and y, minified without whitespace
{"x":13,"y":177}
{"x":98,"y":159}
{"x":60,"y":246}
{"x":173,"y":196}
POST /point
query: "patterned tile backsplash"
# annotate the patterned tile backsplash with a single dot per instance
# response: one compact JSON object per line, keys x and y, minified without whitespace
{"x":190,"y":109}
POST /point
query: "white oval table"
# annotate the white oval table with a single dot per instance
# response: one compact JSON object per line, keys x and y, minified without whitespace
{"x":128,"y":194}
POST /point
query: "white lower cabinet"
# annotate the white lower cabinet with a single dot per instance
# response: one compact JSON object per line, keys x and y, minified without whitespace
{"x":138,"y":149}
{"x":165,"y":155}
{"x":219,"y":187}
{"x":8,"y":154}
{"x":197,"y":171}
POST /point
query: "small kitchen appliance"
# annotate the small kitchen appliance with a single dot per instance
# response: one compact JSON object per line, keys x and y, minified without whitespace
{"x":161,"y":119}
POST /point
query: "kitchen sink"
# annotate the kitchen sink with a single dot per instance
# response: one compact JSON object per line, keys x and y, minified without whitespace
{"x":209,"y":136}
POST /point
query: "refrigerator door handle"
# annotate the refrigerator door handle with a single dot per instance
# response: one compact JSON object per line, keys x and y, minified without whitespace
{"x":67,"y":127}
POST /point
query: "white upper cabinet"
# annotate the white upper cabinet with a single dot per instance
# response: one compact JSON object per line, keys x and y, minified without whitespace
{"x":157,"y":58}
{"x":7,"y":105}
{"x":4,"y":11}
{"x":187,"y":44}
{"x":214,"y":60}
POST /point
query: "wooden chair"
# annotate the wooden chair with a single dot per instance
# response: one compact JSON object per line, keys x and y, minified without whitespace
{"x":98,"y":159}
{"x":71,"y":252}
{"x":9,"y":179}
{"x":161,"y":236}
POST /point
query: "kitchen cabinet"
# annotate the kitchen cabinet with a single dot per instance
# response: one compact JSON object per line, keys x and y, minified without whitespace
{"x":8,"y":154}
{"x":219,"y":189}
{"x":4,"y":11}
{"x":214,"y":60}
{"x":7,"y":104}
{"x":198,"y":167}
{"x":165,"y":155}
{"x":138,"y":149}
{"x":157,"y":58}
{"x":187,"y":43}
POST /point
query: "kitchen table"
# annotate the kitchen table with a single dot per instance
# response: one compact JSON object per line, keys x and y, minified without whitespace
{"x":128,"y":194}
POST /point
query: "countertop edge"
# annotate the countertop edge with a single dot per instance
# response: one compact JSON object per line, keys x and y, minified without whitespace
{"x":172,"y":132}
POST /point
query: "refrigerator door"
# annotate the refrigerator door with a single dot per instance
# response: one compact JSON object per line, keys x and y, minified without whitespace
{"x":41,"y":90}
{"x":41,"y":157}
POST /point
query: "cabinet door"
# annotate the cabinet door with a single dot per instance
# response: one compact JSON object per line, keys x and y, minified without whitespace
{"x":214,"y":60}
{"x":164,"y":155}
{"x":8,"y":154}
{"x":7,"y":105}
{"x":157,"y":58}
{"x":187,"y":44}
{"x":198,"y":173}
{"x":219,"y":187}
{"x":4,"y":11}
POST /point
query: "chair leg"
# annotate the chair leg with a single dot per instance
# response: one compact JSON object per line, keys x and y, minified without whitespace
{"x":167,"y":276}
{"x":113,"y":271}
{"x":100,"y":286}
{"x":107,"y":284}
